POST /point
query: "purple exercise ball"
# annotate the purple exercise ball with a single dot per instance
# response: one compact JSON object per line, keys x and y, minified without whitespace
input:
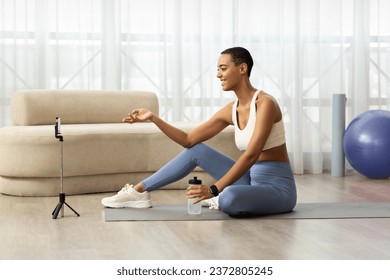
{"x":367,"y":144}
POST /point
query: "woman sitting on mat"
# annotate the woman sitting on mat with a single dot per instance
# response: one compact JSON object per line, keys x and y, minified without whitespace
{"x":261,"y":180}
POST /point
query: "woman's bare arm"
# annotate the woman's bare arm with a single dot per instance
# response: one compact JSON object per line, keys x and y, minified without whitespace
{"x":203,"y":132}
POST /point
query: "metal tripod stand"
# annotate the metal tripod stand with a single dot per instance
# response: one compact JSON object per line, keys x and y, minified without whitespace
{"x":62,"y":202}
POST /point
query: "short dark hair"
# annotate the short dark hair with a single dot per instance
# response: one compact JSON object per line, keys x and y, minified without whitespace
{"x":240,"y":55}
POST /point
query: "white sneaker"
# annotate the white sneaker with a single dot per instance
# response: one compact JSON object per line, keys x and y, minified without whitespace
{"x":211,"y":203}
{"x":128,"y":197}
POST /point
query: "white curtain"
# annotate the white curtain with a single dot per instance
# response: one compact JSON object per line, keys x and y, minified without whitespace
{"x":304,"y":51}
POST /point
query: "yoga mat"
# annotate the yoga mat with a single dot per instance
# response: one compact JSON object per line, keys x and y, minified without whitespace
{"x":347,"y":210}
{"x":338,"y":128}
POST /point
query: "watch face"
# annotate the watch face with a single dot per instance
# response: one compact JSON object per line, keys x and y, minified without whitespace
{"x":214,"y":190}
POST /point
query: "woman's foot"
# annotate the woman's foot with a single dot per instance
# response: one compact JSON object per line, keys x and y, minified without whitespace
{"x":211,"y":203}
{"x":128,"y":197}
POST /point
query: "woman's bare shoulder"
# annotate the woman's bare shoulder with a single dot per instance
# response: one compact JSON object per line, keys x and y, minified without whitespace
{"x":266,"y":100}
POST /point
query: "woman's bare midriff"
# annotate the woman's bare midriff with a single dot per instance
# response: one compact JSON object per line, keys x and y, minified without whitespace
{"x":275,"y":154}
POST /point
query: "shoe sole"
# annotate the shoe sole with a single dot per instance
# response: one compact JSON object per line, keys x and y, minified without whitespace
{"x":129,"y":204}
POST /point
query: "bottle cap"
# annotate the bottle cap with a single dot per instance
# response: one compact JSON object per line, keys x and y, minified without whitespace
{"x":195,"y":181}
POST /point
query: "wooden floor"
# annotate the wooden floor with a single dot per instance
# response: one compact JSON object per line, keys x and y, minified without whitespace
{"x":28,"y":231}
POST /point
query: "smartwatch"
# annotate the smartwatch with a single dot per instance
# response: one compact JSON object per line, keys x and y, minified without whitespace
{"x":214,"y":190}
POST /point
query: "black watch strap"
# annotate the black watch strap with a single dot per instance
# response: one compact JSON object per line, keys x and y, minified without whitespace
{"x":214,"y":190}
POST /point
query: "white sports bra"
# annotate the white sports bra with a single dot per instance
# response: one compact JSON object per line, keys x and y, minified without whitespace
{"x":243,"y":136}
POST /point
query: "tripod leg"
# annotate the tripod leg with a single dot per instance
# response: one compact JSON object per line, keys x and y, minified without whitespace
{"x":57,"y":210}
{"x":59,"y":206}
{"x":72,"y":209}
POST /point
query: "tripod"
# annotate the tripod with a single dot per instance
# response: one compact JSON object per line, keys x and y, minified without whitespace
{"x":60,"y":205}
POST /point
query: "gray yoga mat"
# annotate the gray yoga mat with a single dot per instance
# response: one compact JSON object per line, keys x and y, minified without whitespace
{"x":342,"y":210}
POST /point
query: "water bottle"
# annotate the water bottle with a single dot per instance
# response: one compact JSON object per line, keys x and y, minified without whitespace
{"x":194,"y":209}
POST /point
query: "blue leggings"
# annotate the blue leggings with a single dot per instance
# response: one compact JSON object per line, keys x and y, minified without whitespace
{"x":267,"y":188}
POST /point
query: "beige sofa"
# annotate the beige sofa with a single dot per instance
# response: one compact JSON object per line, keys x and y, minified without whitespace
{"x":100,"y":153}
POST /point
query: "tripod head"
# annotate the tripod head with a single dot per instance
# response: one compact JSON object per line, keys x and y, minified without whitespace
{"x":57,"y":129}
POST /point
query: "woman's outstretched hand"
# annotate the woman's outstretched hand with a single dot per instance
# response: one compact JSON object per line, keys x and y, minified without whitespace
{"x":138,"y":115}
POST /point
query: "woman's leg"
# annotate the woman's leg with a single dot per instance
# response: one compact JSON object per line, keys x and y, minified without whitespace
{"x":272,"y":191}
{"x":210,"y":160}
